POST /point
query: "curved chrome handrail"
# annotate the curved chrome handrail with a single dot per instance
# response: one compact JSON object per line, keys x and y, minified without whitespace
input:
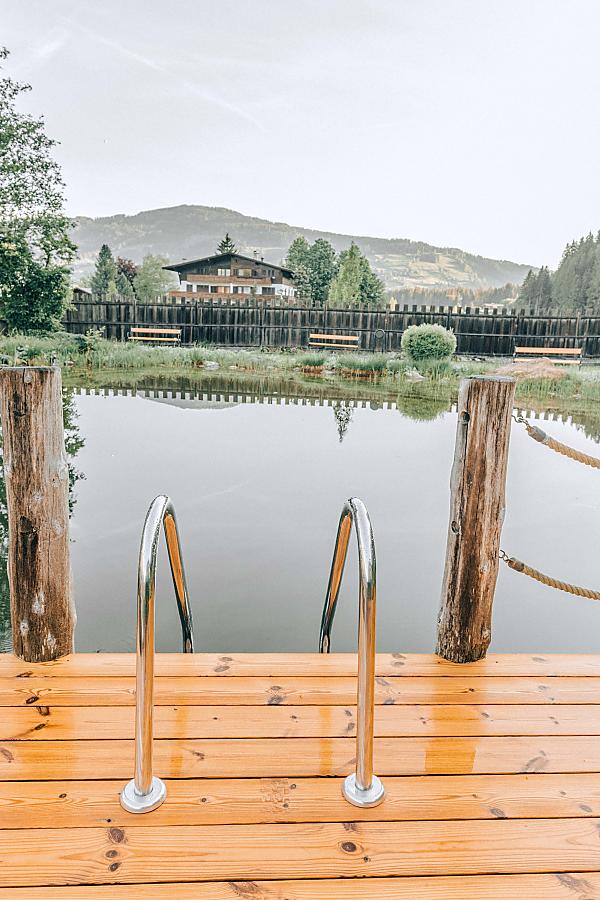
{"x":362,"y":788}
{"x":145,"y":792}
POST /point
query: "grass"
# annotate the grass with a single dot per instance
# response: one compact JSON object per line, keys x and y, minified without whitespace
{"x":311,"y":360}
{"x":90,"y":353}
{"x":373,"y":363}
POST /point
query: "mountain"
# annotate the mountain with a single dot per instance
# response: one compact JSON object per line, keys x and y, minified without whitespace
{"x":189,"y":232}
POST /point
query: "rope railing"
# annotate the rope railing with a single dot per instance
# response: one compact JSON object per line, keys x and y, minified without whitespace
{"x":516,"y":564}
{"x":542,"y":438}
{"x":524,"y":569}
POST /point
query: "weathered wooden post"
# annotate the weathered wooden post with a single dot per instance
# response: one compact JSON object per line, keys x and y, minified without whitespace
{"x":37,"y":496}
{"x":477,"y":489}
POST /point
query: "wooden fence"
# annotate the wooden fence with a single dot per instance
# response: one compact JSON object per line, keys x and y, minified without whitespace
{"x":480,"y":332}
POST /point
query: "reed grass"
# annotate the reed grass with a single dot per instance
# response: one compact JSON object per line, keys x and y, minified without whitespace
{"x":90,"y":353}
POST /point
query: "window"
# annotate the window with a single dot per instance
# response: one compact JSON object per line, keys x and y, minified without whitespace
{"x":224,"y":272}
{"x":244,"y":273}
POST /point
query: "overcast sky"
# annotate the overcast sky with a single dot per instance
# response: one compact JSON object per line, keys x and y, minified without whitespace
{"x":469,"y":123}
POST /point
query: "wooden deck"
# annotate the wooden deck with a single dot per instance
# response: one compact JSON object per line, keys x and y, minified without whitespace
{"x":492,"y":774}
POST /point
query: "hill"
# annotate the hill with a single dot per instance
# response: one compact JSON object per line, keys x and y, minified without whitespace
{"x":188,"y":232}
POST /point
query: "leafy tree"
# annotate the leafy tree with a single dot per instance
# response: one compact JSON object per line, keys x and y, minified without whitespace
{"x":37,"y":301}
{"x":152,"y":279}
{"x":314,"y":266}
{"x":298,"y":254}
{"x":35,"y":247}
{"x":297,"y":260}
{"x":125,"y":280}
{"x":226,"y":245}
{"x":104,"y":279}
{"x":345,"y":288}
{"x":355,"y":283}
{"x":322,"y":270}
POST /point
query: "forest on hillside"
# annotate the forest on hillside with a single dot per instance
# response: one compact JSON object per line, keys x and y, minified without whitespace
{"x":574,"y":285}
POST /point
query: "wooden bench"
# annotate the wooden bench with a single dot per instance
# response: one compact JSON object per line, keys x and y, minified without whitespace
{"x":334,"y":341}
{"x":574,"y":354}
{"x":164,"y":335}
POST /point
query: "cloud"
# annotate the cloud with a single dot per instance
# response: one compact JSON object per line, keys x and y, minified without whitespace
{"x":168,"y":72}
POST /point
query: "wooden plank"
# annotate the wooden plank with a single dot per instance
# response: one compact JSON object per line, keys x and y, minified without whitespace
{"x":554,"y":886}
{"x":131,"y":855}
{"x":117,"y":722}
{"x":206,"y":801}
{"x":140,"y":330}
{"x":298,"y":691}
{"x":280,"y":664}
{"x":335,"y":337}
{"x":273,"y":757}
{"x":549,"y":351}
{"x":168,"y":340}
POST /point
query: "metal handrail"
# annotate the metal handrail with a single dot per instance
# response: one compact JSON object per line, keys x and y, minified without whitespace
{"x":145,"y":791}
{"x":362,"y":788}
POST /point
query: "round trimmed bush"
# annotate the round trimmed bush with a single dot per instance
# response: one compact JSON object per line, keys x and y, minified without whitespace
{"x":422,"y":342}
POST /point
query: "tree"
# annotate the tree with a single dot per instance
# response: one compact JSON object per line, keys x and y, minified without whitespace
{"x":35,"y":247}
{"x":345,"y":288}
{"x":322,"y":270}
{"x":104,"y":279}
{"x":298,"y":260}
{"x":355,"y":283}
{"x":226,"y":245}
{"x":527,"y":289}
{"x":543,"y":290}
{"x":314,"y":267}
{"x":152,"y":279}
{"x":125,"y":281}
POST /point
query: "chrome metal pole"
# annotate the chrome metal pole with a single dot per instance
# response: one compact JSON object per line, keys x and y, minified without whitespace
{"x":145,"y":791}
{"x":362,"y":788}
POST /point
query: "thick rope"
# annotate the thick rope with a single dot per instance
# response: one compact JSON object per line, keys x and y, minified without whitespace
{"x":538,"y":435}
{"x":522,"y":567}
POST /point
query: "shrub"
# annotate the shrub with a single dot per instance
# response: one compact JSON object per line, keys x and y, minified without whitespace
{"x":428,"y":342}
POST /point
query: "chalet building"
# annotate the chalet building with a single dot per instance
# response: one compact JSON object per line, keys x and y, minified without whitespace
{"x":226,"y":276}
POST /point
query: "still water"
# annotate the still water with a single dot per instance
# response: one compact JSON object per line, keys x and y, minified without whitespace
{"x":258,"y":481}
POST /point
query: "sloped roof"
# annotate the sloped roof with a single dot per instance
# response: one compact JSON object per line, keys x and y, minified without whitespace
{"x":218,"y":257}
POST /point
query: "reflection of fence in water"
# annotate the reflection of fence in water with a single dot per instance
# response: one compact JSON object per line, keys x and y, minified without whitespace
{"x":588,"y":422}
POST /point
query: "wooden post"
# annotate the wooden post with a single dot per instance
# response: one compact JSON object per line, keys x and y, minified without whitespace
{"x":476,"y":514}
{"x":37,"y":495}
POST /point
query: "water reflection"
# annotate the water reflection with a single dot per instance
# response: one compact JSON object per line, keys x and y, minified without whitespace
{"x":238,"y":453}
{"x":343,"y":416}
{"x":73,"y":444}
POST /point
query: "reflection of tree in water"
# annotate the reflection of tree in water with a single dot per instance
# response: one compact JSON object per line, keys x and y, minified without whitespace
{"x":422,"y":409}
{"x":589,"y":423}
{"x":343,"y":416}
{"x":73,"y":444}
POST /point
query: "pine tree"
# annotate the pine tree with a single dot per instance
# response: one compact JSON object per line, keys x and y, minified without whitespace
{"x":543,"y":290}
{"x":226,"y":245}
{"x":104,"y":279}
{"x":527,"y":289}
